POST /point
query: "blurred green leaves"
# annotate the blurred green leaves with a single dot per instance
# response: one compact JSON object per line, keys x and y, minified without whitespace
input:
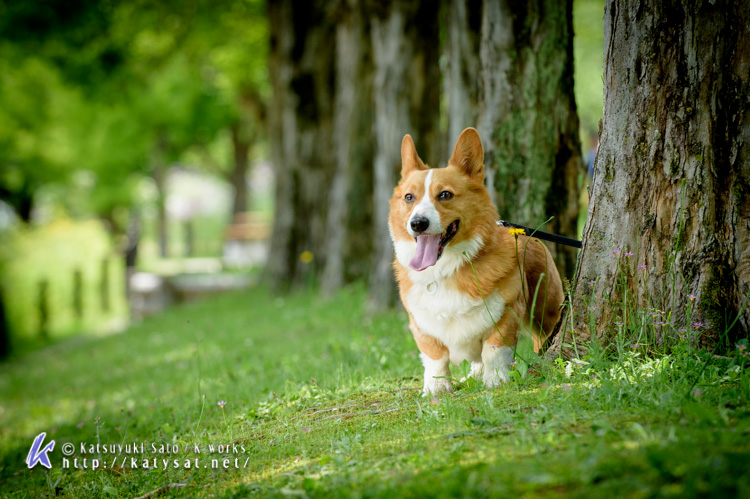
{"x":95,"y":95}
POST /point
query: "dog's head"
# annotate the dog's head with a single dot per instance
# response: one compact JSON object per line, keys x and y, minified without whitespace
{"x":438,"y":210}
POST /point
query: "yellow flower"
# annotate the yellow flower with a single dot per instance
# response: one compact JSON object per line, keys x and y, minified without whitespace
{"x":516,"y":232}
{"x":306,"y":257}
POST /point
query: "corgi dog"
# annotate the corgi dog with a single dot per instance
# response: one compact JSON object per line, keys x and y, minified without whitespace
{"x":441,"y":219}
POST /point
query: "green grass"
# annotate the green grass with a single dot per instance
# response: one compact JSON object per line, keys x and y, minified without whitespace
{"x":323,"y":400}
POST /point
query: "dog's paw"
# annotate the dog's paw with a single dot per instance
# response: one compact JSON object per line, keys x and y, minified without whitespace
{"x":496,"y":365}
{"x":495,"y":378}
{"x":436,"y":386}
{"x":477,"y":369}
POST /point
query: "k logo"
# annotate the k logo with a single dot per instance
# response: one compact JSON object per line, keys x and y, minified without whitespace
{"x":39,"y":456}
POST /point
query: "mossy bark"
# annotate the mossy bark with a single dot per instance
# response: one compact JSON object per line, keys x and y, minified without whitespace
{"x":672,"y":173}
{"x":349,"y":79}
{"x":463,"y":23}
{"x":348,"y":230}
{"x":301,"y":63}
{"x":528,"y":120}
{"x":406,"y":96}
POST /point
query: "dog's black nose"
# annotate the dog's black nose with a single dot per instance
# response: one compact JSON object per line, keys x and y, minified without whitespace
{"x":419,"y":224}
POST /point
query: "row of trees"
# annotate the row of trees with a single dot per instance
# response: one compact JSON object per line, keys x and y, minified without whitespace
{"x":351,"y":77}
{"x":669,"y":196}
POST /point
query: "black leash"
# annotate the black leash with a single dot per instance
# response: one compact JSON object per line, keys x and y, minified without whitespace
{"x":554,"y":238}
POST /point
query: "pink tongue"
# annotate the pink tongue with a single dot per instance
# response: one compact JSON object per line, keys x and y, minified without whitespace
{"x":427,"y":252}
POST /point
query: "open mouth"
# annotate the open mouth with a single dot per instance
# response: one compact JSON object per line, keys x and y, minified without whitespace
{"x":430,"y":247}
{"x":447,"y":236}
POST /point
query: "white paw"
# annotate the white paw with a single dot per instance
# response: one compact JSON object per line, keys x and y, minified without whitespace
{"x":477,"y":368}
{"x":496,"y":365}
{"x":436,"y":375}
{"x":436,"y":386}
{"x":495,"y":378}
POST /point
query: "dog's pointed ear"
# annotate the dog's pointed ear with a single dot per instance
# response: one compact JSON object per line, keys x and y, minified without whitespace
{"x":409,"y":158}
{"x":468,"y":155}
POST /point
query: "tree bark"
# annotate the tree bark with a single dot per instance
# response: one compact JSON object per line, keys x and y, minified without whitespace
{"x":406,"y":96}
{"x":463,"y":22}
{"x":671,"y":176}
{"x":349,"y":238}
{"x":527,"y":116}
{"x":302,"y":78}
{"x":238,"y":176}
{"x":160,"y":180}
{"x":245,"y":132}
{"x":130,"y":249}
{"x":5,"y":343}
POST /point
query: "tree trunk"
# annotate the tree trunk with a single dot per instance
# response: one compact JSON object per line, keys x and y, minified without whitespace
{"x":161,"y":211}
{"x":349,"y":238}
{"x":130,"y":251}
{"x":238,"y":175}
{"x":527,"y":116}
{"x":463,"y":21}
{"x":671,"y":176}
{"x":160,"y":180}
{"x":21,"y":200}
{"x":302,"y":77}
{"x":5,"y":342}
{"x":405,"y":45}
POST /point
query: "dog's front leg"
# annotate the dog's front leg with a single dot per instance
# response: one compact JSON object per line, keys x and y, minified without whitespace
{"x":436,"y":362}
{"x":498,"y":350}
{"x":436,"y":375}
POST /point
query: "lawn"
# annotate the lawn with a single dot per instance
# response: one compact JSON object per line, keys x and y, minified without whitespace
{"x":305,"y":396}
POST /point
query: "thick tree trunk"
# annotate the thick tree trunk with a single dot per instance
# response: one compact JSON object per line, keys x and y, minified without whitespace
{"x":463,"y":22}
{"x":406,"y":94}
{"x":241,"y":165}
{"x":301,"y":70}
{"x":671,"y":176}
{"x":280,"y":70}
{"x":349,"y":238}
{"x":527,"y":119}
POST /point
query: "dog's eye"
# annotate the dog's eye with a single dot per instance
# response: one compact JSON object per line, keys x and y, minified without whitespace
{"x":445,"y":195}
{"x":409,"y":198}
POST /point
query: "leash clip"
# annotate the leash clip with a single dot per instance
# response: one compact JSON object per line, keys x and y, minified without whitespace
{"x":553,"y":238}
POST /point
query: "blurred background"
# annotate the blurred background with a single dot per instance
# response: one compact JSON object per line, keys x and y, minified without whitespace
{"x":153,"y":153}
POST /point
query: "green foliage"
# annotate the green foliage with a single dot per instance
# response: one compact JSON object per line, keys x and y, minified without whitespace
{"x":325,"y":400}
{"x":588,"y":43}
{"x":33,"y":105}
{"x":116,"y":90}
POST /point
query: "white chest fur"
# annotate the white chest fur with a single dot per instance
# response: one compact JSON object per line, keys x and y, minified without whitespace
{"x":459,"y":321}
